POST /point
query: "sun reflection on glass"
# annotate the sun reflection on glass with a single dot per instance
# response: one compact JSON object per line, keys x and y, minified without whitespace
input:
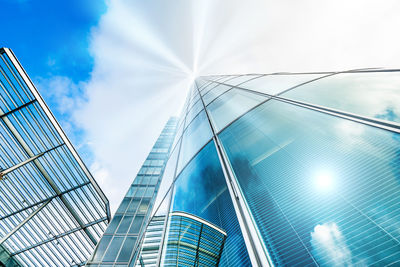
{"x":324,"y":181}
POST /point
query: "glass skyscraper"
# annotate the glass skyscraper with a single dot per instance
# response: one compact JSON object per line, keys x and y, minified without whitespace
{"x":297,"y":169}
{"x":52,"y":212}
{"x":120,"y":244}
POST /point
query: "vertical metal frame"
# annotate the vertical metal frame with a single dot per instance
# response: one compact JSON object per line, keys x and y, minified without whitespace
{"x":255,"y":247}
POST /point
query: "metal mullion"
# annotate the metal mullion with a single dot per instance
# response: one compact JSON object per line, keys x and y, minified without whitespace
{"x":78,"y":246}
{"x":27,"y":182}
{"x":27,"y":161}
{"x":80,"y":242}
{"x":5,"y":75}
{"x":78,"y":182}
{"x":35,"y":254}
{"x":14,"y":132}
{"x":258,"y":253}
{"x":15,"y":77}
{"x":64,"y":183}
{"x":13,"y":194}
{"x":23,"y":130}
{"x":29,"y":171}
{"x":77,"y":229}
{"x":22,"y":223}
{"x":40,"y":226}
{"x":45,"y":119}
{"x":44,"y":200}
{"x":39,"y":127}
{"x":32,"y":198}
{"x":63,"y":230}
{"x":18,"y":156}
{"x":2,"y":85}
{"x":389,"y":126}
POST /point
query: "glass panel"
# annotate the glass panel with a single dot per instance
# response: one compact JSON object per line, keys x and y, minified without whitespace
{"x":143,"y":206}
{"x":196,"y":135}
{"x":238,"y":80}
{"x":124,"y":204}
{"x":113,"y":249}
{"x":133,"y":206}
{"x":322,"y":190}
{"x":371,"y":94}
{"x":149,"y":191}
{"x":137,"y":222}
{"x":167,"y":178}
{"x":101,"y":248}
{"x":193,"y":112}
{"x":201,"y":190}
{"x":124,"y":226}
{"x":114,"y":224}
{"x":231,"y":105}
{"x":214,"y":93}
{"x":127,"y":249}
{"x":140,"y":192}
{"x":274,"y":84}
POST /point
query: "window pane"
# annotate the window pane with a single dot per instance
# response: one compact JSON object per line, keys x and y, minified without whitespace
{"x":133,"y":206}
{"x":215,"y":92}
{"x":101,"y":248}
{"x":113,"y":249}
{"x":137,"y":222}
{"x":124,"y":204}
{"x":193,"y":112}
{"x":238,"y":80}
{"x":196,"y":135}
{"x":275,"y":84}
{"x":114,"y":224}
{"x":127,"y":249}
{"x":318,"y":186}
{"x":231,"y":105}
{"x":372,"y":94}
{"x":124,"y":226}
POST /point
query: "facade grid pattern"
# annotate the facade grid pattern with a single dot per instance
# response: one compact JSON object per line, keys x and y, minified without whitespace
{"x":119,"y":245}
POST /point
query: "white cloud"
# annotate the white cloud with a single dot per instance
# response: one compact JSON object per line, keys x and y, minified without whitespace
{"x":329,"y":246}
{"x":145,"y":51}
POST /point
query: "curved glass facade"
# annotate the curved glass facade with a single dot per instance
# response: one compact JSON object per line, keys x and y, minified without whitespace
{"x":298,"y":169}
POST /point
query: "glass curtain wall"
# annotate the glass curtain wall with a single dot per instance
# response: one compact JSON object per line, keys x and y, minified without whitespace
{"x":316,"y":159}
{"x":120,"y":242}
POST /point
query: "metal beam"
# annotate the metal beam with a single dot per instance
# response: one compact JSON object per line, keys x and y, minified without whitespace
{"x":18,"y":108}
{"x":44,"y":200}
{"x":23,"y":222}
{"x":6,"y":171}
{"x":59,"y":236}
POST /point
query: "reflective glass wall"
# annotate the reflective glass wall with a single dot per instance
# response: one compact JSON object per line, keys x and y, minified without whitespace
{"x":316,"y":158}
{"x":119,"y":245}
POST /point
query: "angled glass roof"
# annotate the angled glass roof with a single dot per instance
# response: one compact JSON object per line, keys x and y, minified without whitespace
{"x":52,"y":212}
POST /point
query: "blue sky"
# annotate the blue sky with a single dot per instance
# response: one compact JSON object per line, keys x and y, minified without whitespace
{"x":113,"y":72}
{"x":51,"y":37}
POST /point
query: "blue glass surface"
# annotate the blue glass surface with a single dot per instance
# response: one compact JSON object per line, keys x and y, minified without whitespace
{"x":372,"y":94}
{"x":231,"y":105}
{"x":322,"y":190}
{"x":201,"y":190}
{"x":196,"y":135}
